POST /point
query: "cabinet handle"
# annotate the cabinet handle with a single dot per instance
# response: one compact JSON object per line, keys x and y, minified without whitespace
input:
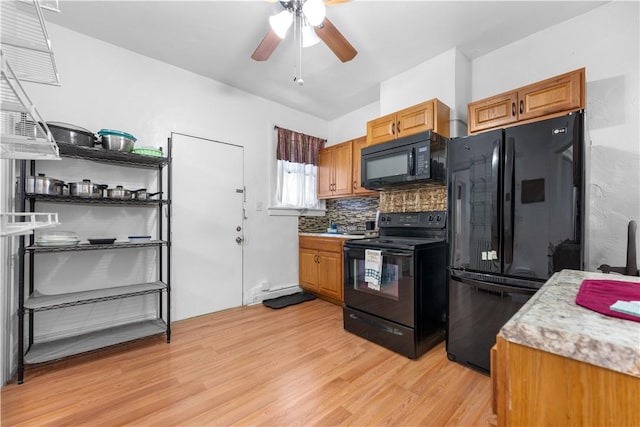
{"x":393,"y":128}
{"x":513,"y":109}
{"x":398,"y":127}
{"x":521,"y":106}
{"x":355,"y":184}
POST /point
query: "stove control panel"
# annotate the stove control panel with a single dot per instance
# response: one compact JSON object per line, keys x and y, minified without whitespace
{"x":431,"y":219}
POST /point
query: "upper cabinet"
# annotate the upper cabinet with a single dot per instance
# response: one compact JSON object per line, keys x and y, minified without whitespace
{"x":339,"y":170}
{"x":334,"y":171}
{"x":356,"y":157}
{"x":429,"y":115}
{"x":555,"y":96}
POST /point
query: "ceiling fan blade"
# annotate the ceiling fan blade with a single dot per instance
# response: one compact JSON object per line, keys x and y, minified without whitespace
{"x":266,"y":47}
{"x":329,"y":34}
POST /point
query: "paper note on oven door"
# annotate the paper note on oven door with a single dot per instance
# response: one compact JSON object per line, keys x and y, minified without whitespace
{"x":373,"y":268}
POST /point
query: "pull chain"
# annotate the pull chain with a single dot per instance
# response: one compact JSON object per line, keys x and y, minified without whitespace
{"x":297,"y":41}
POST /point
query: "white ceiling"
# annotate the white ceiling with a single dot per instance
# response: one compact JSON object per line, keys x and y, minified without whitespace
{"x":216,"y":39}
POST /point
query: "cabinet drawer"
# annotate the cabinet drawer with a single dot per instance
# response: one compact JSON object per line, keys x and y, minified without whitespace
{"x":327,"y":244}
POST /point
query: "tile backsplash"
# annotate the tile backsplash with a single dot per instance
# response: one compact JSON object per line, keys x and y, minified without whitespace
{"x":430,"y":197}
{"x":351,"y":213}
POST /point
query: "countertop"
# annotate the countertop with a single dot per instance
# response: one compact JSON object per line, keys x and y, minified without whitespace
{"x":551,"y":321}
{"x":335,"y":235}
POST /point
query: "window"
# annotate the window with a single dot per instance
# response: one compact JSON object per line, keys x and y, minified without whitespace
{"x":297,"y":169}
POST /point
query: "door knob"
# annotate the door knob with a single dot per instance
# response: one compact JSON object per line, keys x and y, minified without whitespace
{"x":238,"y":228}
{"x":239,"y":240}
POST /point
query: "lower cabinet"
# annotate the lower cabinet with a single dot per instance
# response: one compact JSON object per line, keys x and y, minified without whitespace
{"x":321,"y":267}
{"x":532,"y":387}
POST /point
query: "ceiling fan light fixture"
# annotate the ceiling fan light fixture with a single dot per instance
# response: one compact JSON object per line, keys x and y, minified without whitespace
{"x":281,"y":22}
{"x":314,"y":11}
{"x":309,"y":37}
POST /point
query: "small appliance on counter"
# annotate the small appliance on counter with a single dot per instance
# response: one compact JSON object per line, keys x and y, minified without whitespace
{"x":370,"y":229}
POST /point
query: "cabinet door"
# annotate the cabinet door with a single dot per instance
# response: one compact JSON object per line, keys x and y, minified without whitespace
{"x":325,"y":173}
{"x":418,"y":118}
{"x":559,"y":94}
{"x":381,"y":129}
{"x":492,"y":112}
{"x":330,"y":274}
{"x":343,"y":182}
{"x":356,"y":159}
{"x":308,"y":269}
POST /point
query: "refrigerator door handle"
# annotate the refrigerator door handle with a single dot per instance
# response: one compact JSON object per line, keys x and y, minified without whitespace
{"x":495,"y":169}
{"x":509,"y":188}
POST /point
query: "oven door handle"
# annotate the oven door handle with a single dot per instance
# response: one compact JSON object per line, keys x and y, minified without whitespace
{"x":384,"y":253}
{"x":402,"y":254}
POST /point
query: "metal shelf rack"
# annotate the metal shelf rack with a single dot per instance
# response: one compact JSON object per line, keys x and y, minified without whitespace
{"x":34,"y":302}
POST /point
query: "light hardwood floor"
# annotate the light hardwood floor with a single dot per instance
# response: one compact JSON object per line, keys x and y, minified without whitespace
{"x":252,"y":366}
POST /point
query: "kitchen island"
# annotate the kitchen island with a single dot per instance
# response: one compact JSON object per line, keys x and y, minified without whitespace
{"x":557,"y":363}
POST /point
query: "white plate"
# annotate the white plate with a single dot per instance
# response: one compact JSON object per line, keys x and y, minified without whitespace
{"x":57,"y":243}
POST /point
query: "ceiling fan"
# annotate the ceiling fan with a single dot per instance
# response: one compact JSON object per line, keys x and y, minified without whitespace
{"x":305,"y":16}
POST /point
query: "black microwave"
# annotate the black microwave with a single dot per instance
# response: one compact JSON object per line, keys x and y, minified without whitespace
{"x":408,"y":160}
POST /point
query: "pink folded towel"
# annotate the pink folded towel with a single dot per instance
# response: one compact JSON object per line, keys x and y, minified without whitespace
{"x":599,"y":295}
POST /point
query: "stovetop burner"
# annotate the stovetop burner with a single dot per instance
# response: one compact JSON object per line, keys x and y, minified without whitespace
{"x":406,"y":230}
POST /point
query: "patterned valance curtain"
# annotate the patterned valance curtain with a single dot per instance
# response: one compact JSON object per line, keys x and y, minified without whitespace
{"x":297,"y":169}
{"x":298,"y":147}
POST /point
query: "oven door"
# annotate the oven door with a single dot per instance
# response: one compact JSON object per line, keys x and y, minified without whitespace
{"x":395,"y":299}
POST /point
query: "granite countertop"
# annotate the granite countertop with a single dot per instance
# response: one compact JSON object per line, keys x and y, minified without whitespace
{"x":336,"y":235}
{"x":551,"y":321}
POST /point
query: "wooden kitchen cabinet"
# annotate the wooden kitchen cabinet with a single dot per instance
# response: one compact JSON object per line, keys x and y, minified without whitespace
{"x":429,"y":115}
{"x":545,"y":99}
{"x":534,"y":387}
{"x":321,"y":266}
{"x":335,"y":171}
{"x":356,"y":157}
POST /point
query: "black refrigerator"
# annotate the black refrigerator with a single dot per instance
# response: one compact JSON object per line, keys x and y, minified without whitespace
{"x":516,"y":213}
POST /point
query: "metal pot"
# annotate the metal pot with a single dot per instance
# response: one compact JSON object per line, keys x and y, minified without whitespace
{"x":65,"y":132}
{"x":116,"y":140}
{"x":143,"y":195}
{"x":42,"y":184}
{"x":119,"y":193}
{"x":86,"y":189}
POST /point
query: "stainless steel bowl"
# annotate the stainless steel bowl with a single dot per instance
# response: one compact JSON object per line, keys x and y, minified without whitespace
{"x":116,"y":143}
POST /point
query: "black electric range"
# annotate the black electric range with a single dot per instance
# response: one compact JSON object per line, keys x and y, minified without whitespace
{"x":406,"y":310}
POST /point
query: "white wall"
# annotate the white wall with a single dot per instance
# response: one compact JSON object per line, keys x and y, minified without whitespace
{"x":103,"y":86}
{"x":352,"y":125}
{"x":446,"y":77}
{"x":606,"y":42}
